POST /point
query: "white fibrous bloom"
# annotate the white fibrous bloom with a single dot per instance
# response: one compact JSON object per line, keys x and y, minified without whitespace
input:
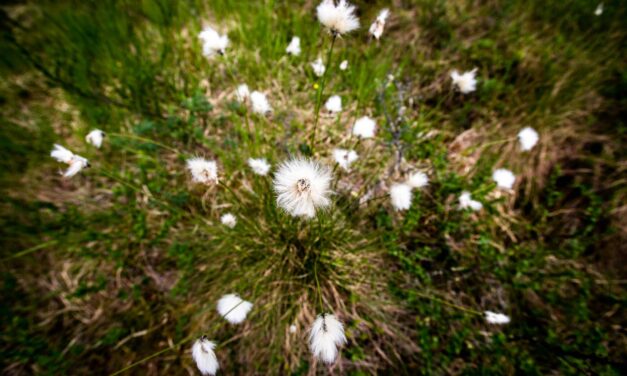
{"x":599,"y":10}
{"x":344,"y":158}
{"x":376,"y":29}
{"x":504,"y":178}
{"x":302,"y":186}
{"x":228,"y":220}
{"x":496,"y":318}
{"x":95,"y":138}
{"x":75,"y":161}
{"x":203,"y":171}
{"x":213,"y":43}
{"x":466,"y":201}
{"x":205,"y":357}
{"x":465,"y":82}
{"x":242,"y":93}
{"x":528,"y":138}
{"x":334,"y":104}
{"x":259,"y":166}
{"x":326,"y":335}
{"x":338,"y":19}
{"x":318,"y":67}
{"x":418,"y":180}
{"x":294,"y":47}
{"x":401,"y":196}
{"x":364,"y":127}
{"x":344,"y":65}
{"x":260,"y":103}
{"x":292,"y":328}
{"x":233,"y":308}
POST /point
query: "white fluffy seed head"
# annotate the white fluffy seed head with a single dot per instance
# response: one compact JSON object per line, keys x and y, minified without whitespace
{"x":302,"y":186}
{"x":213,"y":43}
{"x":95,"y":138}
{"x":496,"y":318}
{"x":318,"y":67}
{"x":418,"y":180}
{"x":205,"y":357}
{"x":242,"y":93}
{"x":528,"y":138}
{"x":76,"y":162}
{"x":293,"y":328}
{"x":466,"y":82}
{"x":338,"y":19}
{"x":203,"y":171}
{"x":233,"y":308}
{"x":334,"y":104}
{"x":401,"y":196}
{"x":260,"y":103}
{"x":466,"y":201}
{"x":344,"y":157}
{"x":259,"y":166}
{"x":325,"y":336}
{"x":61,"y":154}
{"x":294,"y":47}
{"x":376,"y":29}
{"x":599,"y":10}
{"x":364,"y":127}
{"x":344,"y":65}
{"x":504,"y":178}
{"x":228,"y":220}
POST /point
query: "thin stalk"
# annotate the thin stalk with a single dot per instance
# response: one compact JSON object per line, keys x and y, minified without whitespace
{"x":30,"y":250}
{"x":321,"y":90}
{"x":469,"y":310}
{"x":133,"y":137}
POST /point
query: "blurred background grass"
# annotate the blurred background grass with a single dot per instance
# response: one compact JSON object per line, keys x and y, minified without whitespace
{"x":129,"y":258}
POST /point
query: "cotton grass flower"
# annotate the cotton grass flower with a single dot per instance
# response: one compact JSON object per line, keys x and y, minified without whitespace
{"x":95,"y":138}
{"x":338,"y":19}
{"x":259,"y":166}
{"x":344,"y":158}
{"x":242,"y":93}
{"x":364,"y":127}
{"x":504,"y":178}
{"x":233,"y":308}
{"x":325,"y":336}
{"x":376,"y":29}
{"x":465,"y":82}
{"x":293,"y":328}
{"x":496,"y":318}
{"x":334,"y":104}
{"x":466,"y":202}
{"x":418,"y":180}
{"x":401,"y":196}
{"x":213,"y":43}
{"x":318,"y":67}
{"x":599,"y":10}
{"x":294,"y":47}
{"x":528,"y":138}
{"x":76,"y":162}
{"x":228,"y":220}
{"x":203,"y":171}
{"x":344,"y":65}
{"x":260,"y":103}
{"x":302,"y":186}
{"x":205,"y":357}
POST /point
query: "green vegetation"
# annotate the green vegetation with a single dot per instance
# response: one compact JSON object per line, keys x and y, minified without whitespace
{"x":127,"y":259}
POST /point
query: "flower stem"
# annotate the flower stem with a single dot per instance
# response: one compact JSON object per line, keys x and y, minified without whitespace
{"x":468,"y":310}
{"x":138,"y":138}
{"x":320,"y":92}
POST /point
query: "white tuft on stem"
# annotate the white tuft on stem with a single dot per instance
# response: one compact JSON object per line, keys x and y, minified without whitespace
{"x":325,"y":336}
